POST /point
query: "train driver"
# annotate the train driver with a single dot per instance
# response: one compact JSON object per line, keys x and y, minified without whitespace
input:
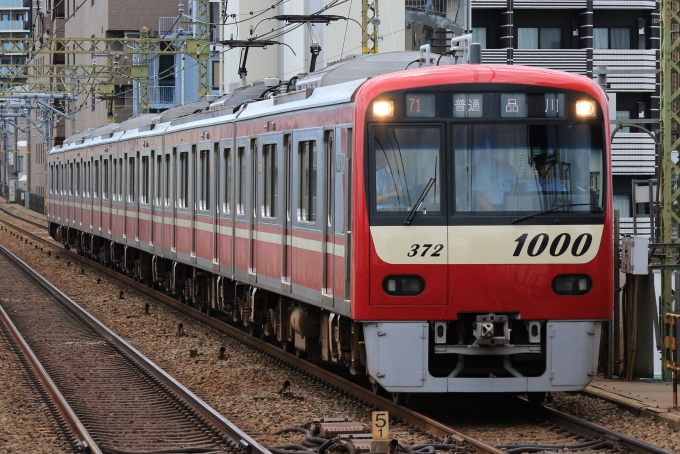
{"x":545,"y":181}
{"x":492,"y":178}
{"x":391,"y":183}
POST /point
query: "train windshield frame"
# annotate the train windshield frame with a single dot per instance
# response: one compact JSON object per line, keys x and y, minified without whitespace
{"x":483,"y":166}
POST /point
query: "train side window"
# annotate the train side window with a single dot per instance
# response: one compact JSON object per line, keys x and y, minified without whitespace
{"x":131,"y":175}
{"x":183,"y":196}
{"x":71,"y":177}
{"x":204,"y":183}
{"x":120,"y":180}
{"x":167,"y":180}
{"x":241,"y":196}
{"x":307,"y":175}
{"x":158,"y":181}
{"x":144,"y":180}
{"x":95,"y":188}
{"x":115,"y":179}
{"x":226,"y":202}
{"x":78,"y":177}
{"x":88,"y":178}
{"x":270,"y":176}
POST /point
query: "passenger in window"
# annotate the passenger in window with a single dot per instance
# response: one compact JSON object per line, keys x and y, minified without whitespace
{"x":391,"y":183}
{"x":545,"y":181}
{"x":493,"y":178}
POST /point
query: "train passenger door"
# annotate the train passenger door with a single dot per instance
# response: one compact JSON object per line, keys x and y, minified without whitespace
{"x":267,"y":210}
{"x":252,"y":209}
{"x":242,"y":212}
{"x":204,"y":219}
{"x":343,"y":217}
{"x":170,"y":201}
{"x":327,"y":233}
{"x":286,"y":213}
{"x":225,"y":216}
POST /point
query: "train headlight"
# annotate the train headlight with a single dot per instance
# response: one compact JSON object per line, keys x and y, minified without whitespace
{"x":383,"y":108}
{"x":404,"y":285}
{"x":585,"y":108}
{"x":572,"y":284}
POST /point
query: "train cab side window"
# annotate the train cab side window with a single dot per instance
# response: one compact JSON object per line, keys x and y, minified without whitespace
{"x":131,"y":176}
{"x":227,"y":181}
{"x":158,"y":181}
{"x":270,"y":176}
{"x":204,"y":183}
{"x":183,"y":195}
{"x":105,"y":186}
{"x":307,"y":175}
{"x":241,"y":196}
{"x":144,"y":180}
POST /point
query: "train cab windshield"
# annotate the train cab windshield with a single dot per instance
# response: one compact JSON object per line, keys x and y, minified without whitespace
{"x":497,"y":169}
{"x":528,"y":168}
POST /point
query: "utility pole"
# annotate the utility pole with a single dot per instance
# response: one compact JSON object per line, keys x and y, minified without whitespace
{"x":369,"y":21}
{"x":668,"y":170}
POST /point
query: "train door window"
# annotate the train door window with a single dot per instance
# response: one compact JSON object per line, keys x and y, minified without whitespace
{"x":71,"y":178}
{"x":204,"y":183}
{"x":330,"y":179}
{"x":270,"y":176}
{"x":183,"y":196}
{"x":167,"y":180}
{"x":144,"y":180}
{"x":158,"y":181}
{"x":226,"y":181}
{"x":241,"y":196}
{"x":307,"y":175}
{"x":95,"y":188}
{"x":131,"y":179}
{"x":105,"y":178}
{"x":78,"y":178}
{"x":88,"y":178}
{"x":120,"y":179}
{"x":115,"y":179}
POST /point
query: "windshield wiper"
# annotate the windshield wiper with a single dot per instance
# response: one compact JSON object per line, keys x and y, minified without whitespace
{"x":414,"y":210}
{"x":529,"y":216}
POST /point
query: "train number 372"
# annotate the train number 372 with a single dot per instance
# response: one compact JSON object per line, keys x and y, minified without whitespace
{"x":416,"y":249}
{"x":558,"y":246}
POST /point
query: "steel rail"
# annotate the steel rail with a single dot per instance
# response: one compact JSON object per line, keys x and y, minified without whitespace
{"x":408,"y":416}
{"x":68,"y":415}
{"x":37,"y":224}
{"x":214,"y":418}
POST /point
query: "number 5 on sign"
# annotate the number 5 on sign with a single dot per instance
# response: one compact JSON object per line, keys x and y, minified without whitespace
{"x":381,"y":425}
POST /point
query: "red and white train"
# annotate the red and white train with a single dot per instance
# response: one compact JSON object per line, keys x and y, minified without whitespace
{"x":441,"y":229}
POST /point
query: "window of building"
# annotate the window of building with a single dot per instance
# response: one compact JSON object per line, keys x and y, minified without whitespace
{"x":21,"y":17}
{"x":623,"y":115}
{"x":204,"y":183}
{"x":131,"y":180}
{"x":144,"y":180}
{"x":308,"y":169}
{"x":479,"y":36}
{"x":622,"y":203}
{"x":539,"y":38}
{"x":611,"y":38}
{"x":270,"y":176}
{"x":241,"y":196}
{"x":226,"y":181}
{"x":216,"y":75}
{"x":20,"y":163}
{"x":5,"y":17}
{"x":183,"y":196}
{"x":105,"y":187}
{"x":158,"y":183}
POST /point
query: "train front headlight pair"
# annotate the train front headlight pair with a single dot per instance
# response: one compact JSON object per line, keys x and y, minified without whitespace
{"x":572,"y":284}
{"x":408,"y":285}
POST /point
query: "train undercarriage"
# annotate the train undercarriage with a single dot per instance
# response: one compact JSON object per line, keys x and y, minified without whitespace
{"x":470,"y":354}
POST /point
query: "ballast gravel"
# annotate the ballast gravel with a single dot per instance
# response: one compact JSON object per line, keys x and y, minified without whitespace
{"x":24,"y":427}
{"x":244,"y":386}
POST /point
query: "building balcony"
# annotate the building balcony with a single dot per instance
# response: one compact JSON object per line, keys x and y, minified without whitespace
{"x":550,"y":4}
{"x":15,"y":4}
{"x":170,"y":26}
{"x":489,"y":4}
{"x":627,"y":227}
{"x":624,"y":4}
{"x":14,"y":26}
{"x":570,"y":60}
{"x":628,"y":60}
{"x":633,"y":154}
{"x":161,"y":97}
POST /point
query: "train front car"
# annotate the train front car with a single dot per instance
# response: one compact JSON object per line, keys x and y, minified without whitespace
{"x":484,"y":226}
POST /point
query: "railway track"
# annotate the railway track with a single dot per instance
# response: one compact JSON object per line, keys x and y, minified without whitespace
{"x":108,"y":394}
{"x":540,"y":426}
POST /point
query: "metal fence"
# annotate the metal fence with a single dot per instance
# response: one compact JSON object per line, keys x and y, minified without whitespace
{"x":36,"y":202}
